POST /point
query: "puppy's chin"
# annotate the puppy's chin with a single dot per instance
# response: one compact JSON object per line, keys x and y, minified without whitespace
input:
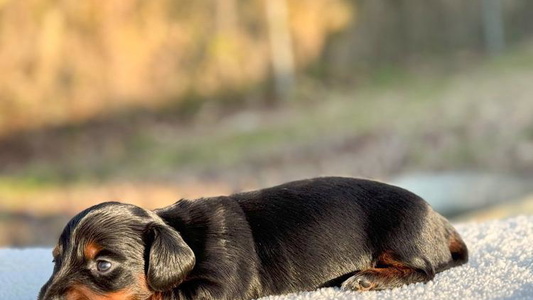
{"x":79,"y":292}
{"x":138,"y":290}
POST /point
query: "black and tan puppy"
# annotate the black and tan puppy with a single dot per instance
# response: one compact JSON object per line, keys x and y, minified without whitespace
{"x":353,"y":233}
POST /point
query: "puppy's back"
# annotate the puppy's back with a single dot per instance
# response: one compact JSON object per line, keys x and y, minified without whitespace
{"x":333,"y":226}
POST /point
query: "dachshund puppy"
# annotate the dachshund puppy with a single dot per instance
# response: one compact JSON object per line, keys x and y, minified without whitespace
{"x":351,"y":233}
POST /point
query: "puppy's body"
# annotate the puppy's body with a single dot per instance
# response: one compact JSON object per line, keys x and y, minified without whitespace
{"x":298,"y":236}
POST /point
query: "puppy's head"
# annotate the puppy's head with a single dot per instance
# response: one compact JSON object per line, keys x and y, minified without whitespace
{"x":117,"y":251}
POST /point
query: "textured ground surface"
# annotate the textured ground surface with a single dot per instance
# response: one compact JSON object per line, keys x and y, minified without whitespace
{"x":500,"y":267}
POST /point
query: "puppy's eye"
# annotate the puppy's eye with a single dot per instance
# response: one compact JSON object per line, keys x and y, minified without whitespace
{"x":103,"y":266}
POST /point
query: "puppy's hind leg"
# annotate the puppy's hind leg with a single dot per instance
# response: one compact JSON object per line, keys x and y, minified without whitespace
{"x":388,"y":273}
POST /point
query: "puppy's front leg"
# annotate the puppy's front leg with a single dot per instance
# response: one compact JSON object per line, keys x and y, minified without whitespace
{"x":200,"y":289}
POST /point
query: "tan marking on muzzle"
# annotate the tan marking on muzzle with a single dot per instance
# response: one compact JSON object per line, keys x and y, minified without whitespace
{"x":82,"y":292}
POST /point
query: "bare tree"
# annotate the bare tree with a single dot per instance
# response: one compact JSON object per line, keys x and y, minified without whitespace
{"x":280,"y":47}
{"x":493,"y":27}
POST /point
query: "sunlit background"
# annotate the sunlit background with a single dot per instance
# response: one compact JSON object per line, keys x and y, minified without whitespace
{"x":148,"y":102}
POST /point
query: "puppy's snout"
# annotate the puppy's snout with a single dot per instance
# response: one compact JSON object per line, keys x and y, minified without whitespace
{"x":50,"y":293}
{"x":55,"y":289}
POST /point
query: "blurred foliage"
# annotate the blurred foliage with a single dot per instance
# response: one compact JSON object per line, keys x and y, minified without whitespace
{"x":66,"y":62}
{"x":74,"y":74}
{"x":69,"y":61}
{"x":410,"y":32}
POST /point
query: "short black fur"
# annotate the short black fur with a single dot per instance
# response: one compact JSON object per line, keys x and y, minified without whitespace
{"x":331,"y":231}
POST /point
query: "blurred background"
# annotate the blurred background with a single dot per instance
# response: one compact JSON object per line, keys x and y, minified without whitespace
{"x":148,"y":102}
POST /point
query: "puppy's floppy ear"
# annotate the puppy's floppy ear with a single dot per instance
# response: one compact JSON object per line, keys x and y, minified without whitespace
{"x":169,"y":260}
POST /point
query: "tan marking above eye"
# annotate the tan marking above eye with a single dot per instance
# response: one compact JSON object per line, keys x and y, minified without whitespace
{"x":91,"y":250}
